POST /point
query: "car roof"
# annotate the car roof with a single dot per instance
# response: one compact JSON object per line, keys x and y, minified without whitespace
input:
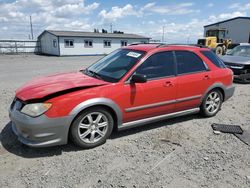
{"x":154,"y":46}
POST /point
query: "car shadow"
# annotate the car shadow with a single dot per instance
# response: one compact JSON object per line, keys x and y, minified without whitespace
{"x":150,"y":126}
{"x":10,"y":142}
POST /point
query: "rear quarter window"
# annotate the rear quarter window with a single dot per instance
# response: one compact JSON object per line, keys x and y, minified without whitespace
{"x":214,"y":58}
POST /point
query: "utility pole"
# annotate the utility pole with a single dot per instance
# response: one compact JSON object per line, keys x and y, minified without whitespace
{"x":111,"y":28}
{"x":163,"y":33}
{"x":31,"y":29}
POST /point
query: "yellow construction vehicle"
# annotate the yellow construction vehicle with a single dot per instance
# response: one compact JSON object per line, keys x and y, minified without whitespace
{"x":215,"y":39}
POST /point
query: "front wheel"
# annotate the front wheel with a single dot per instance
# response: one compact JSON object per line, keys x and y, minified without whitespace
{"x":92,"y":127}
{"x":211,"y":104}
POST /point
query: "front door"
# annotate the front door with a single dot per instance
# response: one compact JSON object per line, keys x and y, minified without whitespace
{"x":157,"y":95}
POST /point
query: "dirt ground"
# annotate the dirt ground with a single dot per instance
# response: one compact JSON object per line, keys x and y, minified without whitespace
{"x":181,"y":152}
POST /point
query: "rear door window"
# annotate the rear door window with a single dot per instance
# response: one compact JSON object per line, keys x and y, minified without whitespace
{"x":188,"y":62}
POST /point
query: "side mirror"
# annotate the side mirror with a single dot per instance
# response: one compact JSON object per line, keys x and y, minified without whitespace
{"x":139,"y":78}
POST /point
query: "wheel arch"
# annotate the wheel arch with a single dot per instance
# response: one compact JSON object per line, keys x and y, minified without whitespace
{"x":218,"y":86}
{"x":109,"y":104}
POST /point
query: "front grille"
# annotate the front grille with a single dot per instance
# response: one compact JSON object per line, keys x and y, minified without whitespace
{"x":238,"y":69}
{"x":236,"y":65}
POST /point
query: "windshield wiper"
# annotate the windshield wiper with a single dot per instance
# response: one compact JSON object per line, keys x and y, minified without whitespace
{"x":93,"y":74}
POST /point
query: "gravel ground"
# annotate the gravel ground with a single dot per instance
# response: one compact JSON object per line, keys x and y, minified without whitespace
{"x":181,"y":152}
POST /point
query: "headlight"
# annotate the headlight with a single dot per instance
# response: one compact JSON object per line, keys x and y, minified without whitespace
{"x":35,"y":109}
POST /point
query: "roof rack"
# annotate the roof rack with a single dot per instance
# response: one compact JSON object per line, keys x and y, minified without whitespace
{"x":179,"y":44}
{"x":138,"y":43}
{"x":165,"y":45}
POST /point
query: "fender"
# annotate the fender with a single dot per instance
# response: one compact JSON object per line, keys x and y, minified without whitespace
{"x":228,"y":91}
{"x":98,"y":101}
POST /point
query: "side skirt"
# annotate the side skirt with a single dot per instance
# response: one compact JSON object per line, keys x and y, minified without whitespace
{"x":156,"y":118}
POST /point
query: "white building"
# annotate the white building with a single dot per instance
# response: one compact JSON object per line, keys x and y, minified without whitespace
{"x":237,"y":29}
{"x":63,"y":43}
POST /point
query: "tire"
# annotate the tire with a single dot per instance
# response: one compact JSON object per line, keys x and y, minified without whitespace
{"x":224,"y":50}
{"x":92,"y":127}
{"x":219,"y":50}
{"x":211,"y":104}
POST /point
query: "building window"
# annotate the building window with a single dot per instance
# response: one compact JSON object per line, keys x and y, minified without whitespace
{"x":88,"y":43}
{"x":107,"y":43}
{"x":54,"y":43}
{"x":124,"y":43}
{"x":69,"y":43}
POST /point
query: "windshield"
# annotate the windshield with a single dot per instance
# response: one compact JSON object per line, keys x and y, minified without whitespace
{"x":114,"y":66}
{"x":240,"y":51}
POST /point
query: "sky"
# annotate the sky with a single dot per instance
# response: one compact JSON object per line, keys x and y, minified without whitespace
{"x":183,"y":21}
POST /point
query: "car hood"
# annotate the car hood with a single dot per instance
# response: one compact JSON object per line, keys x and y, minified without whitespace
{"x":44,"y":86}
{"x":236,"y":59}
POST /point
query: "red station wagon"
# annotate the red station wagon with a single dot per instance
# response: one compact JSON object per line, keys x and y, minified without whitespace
{"x":134,"y":85}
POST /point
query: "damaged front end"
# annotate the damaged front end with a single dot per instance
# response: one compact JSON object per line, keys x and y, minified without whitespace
{"x":241,"y":71}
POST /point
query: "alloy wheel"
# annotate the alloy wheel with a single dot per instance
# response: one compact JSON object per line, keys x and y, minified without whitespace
{"x":213,"y":102}
{"x":93,"y":127}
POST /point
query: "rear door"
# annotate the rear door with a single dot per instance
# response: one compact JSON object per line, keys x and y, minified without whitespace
{"x":193,"y":79}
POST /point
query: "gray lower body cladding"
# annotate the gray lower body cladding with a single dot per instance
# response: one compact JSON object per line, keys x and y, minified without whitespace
{"x":40,"y":131}
{"x":229,"y":91}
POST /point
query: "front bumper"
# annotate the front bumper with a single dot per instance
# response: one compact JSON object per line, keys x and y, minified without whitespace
{"x":243,"y":77}
{"x":241,"y":72}
{"x":40,"y":131}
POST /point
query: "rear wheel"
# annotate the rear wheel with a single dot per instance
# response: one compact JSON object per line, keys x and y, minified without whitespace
{"x":92,"y":127}
{"x":211,"y":104}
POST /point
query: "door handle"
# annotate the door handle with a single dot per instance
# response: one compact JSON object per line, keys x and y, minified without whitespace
{"x":168,"y":84}
{"x":206,"y":77}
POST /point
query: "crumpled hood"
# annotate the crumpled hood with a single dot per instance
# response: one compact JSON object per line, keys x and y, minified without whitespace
{"x":236,"y":59}
{"x":43,"y":86}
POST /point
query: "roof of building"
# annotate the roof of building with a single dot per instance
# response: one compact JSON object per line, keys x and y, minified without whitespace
{"x":93,"y":34}
{"x":240,"y":17}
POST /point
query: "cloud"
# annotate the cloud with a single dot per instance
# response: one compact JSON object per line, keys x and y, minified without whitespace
{"x":178,"y":9}
{"x":118,"y":12}
{"x":56,"y":14}
{"x":74,"y":9}
{"x":240,"y":7}
{"x":224,"y":16}
{"x":130,"y":10}
{"x":80,"y":15}
{"x":234,"y":5}
{"x":179,"y":32}
{"x":210,"y":5}
{"x":149,"y":5}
